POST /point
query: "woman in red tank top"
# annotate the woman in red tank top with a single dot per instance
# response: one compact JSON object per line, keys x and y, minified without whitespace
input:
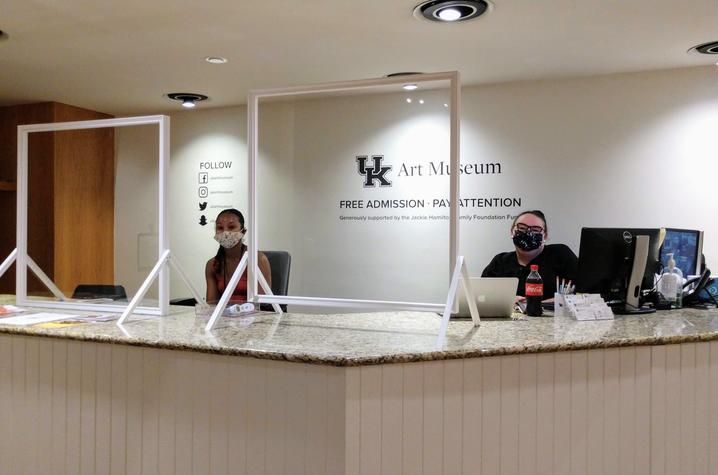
{"x":229,"y":231}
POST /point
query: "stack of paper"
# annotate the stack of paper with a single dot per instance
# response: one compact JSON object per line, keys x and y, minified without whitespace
{"x":35,"y":318}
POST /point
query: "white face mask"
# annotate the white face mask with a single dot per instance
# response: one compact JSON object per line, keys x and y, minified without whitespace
{"x":228,"y":239}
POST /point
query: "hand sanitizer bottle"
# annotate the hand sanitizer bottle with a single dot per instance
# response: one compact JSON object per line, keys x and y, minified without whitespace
{"x":671,"y":284}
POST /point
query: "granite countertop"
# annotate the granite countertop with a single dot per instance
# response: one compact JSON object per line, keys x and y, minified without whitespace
{"x":387,"y":337}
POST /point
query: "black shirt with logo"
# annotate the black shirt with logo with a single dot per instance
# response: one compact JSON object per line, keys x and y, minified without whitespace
{"x":555,"y":260}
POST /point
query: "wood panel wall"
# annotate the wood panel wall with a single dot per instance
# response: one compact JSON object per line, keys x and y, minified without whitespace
{"x":40,"y":179}
{"x":71,"y":407}
{"x":84,"y":202}
{"x":71,"y":198}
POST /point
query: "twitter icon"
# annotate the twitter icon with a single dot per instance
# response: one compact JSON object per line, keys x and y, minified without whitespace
{"x":203,"y":206}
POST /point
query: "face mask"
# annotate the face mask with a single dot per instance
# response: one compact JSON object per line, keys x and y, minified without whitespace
{"x":527,"y":241}
{"x":228,"y":239}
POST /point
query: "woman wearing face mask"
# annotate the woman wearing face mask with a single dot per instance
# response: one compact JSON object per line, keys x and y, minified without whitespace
{"x":528,"y":233}
{"x":229,"y":231}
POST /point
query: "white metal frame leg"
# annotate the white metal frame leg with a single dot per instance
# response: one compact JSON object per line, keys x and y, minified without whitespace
{"x":460,"y":271}
{"x":268,"y":291}
{"x":469,"y":293}
{"x":45,"y":279}
{"x":174,"y":263}
{"x":229,"y":290}
{"x":8,"y":262}
{"x":166,"y":259}
{"x":47,"y":282}
{"x":144,"y":287}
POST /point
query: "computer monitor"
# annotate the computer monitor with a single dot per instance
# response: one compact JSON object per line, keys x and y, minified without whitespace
{"x":687,"y":248}
{"x":606,"y":261}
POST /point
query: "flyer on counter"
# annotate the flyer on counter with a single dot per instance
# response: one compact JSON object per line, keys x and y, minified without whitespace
{"x":35,"y":318}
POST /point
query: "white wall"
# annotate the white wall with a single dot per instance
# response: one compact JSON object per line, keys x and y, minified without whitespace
{"x":620,"y":150}
{"x":136,"y":205}
{"x":214,"y":136}
{"x":391,"y":260}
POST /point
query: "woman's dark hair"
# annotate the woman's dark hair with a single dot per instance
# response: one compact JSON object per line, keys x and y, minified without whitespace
{"x":535,"y":212}
{"x":221,"y":258}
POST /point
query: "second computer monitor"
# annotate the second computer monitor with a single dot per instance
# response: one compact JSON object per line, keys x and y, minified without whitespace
{"x":687,"y":248}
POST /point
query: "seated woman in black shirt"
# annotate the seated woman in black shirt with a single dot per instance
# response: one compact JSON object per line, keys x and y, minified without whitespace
{"x":529,"y":232}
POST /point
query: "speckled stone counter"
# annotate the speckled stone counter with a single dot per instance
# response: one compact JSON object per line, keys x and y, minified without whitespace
{"x":387,"y":337}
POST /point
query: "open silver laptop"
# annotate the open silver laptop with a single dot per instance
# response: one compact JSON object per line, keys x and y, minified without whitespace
{"x":494,"y":296}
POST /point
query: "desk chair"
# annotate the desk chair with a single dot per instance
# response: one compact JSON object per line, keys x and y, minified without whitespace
{"x":280,"y":262}
{"x":95,"y":291}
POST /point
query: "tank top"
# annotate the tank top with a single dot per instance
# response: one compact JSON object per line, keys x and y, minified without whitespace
{"x":240,"y":292}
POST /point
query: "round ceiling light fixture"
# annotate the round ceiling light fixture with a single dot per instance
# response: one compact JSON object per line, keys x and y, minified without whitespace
{"x":450,"y":11}
{"x":393,"y":75}
{"x":408,"y":86}
{"x":215,"y":59}
{"x":188,"y":99}
{"x":706,"y":48}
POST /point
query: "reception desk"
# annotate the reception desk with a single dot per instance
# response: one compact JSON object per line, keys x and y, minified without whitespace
{"x":362,"y":394}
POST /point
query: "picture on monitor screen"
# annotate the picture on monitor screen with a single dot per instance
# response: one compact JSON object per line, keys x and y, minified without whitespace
{"x":685,"y":246}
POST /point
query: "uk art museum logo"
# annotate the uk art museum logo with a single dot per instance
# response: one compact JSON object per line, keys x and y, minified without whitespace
{"x":374,"y":174}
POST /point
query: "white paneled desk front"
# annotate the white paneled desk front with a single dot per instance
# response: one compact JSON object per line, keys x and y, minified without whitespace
{"x":362,"y":394}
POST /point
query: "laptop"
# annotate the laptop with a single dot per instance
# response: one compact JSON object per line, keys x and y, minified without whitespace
{"x":494,"y":297}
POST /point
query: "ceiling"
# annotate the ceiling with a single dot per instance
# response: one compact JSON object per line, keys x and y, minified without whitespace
{"x":122,"y":56}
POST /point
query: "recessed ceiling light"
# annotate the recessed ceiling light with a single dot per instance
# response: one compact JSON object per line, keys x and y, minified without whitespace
{"x":393,"y":75}
{"x":451,"y":10}
{"x":421,"y":101}
{"x":408,"y":99}
{"x":215,"y":59}
{"x":446,"y":105}
{"x":188,"y":99}
{"x":706,"y":48}
{"x":410,"y":87}
{"x":449,"y":14}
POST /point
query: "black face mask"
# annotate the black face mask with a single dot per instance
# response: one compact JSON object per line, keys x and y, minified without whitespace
{"x":527,"y":241}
